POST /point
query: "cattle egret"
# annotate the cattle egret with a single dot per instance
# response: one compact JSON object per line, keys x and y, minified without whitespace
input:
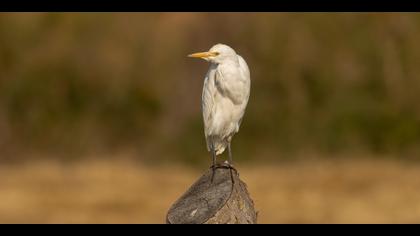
{"x":225,"y":97}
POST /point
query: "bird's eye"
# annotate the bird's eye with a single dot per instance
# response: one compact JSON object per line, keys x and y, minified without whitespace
{"x":216,"y":53}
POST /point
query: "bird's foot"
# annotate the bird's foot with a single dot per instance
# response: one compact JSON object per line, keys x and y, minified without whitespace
{"x":225,"y":164}
{"x":228,"y":164}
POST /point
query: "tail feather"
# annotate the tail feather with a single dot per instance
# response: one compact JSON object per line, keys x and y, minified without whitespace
{"x":219,"y":145}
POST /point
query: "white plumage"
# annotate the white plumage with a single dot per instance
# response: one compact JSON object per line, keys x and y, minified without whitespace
{"x":225,"y":96}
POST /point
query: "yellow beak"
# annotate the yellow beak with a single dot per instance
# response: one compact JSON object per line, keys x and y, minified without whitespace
{"x":203,"y":54}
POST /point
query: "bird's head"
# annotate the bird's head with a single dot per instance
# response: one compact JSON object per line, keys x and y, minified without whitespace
{"x":217,"y":54}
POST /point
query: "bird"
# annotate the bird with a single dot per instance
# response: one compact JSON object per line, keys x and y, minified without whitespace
{"x":225,"y":96}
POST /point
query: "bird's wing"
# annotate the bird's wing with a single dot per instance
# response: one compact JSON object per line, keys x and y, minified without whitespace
{"x":243,"y":66}
{"x":237,"y":90}
{"x":227,"y":88}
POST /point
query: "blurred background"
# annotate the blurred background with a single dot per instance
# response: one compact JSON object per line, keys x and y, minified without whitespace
{"x":100,"y":115}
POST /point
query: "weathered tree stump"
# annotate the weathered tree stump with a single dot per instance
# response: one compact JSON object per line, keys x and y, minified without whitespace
{"x":217,"y":197}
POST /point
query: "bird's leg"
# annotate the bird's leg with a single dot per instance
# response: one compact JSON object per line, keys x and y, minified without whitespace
{"x":213,"y":154}
{"x":230,"y":155}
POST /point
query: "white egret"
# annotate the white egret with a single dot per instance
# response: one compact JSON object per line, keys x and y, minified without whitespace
{"x":225,"y":97}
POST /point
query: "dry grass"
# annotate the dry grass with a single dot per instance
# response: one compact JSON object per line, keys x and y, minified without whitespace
{"x":354,"y":191}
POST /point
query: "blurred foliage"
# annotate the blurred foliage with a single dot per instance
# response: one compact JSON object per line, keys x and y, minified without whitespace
{"x":76,"y":83}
